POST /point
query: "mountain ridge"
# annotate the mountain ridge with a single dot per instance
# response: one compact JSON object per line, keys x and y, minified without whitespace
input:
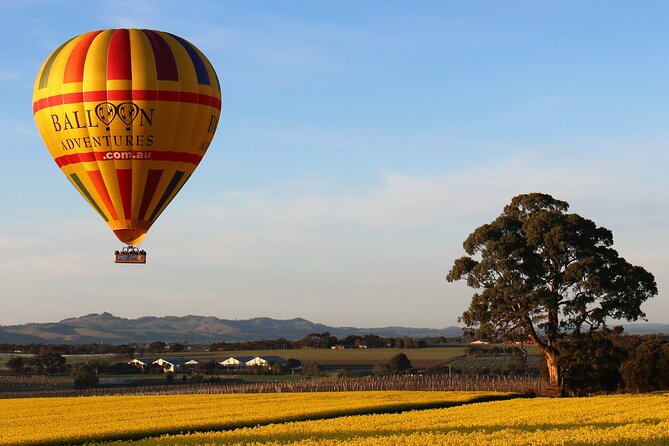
{"x":108,"y":328}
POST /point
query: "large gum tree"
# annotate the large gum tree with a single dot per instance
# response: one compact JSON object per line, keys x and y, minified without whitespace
{"x":546,"y":273}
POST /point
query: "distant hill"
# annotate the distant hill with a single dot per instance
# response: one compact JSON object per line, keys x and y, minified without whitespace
{"x":107,"y":328}
{"x":110,"y":329}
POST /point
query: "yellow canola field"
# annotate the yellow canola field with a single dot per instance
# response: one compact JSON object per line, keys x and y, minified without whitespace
{"x":81,"y":419}
{"x":603,"y":420}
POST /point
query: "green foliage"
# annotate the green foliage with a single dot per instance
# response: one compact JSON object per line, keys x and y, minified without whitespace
{"x":380,"y":369}
{"x":123,"y":350}
{"x":549,"y":273}
{"x":208,"y":368}
{"x":176,"y":347}
{"x":16,"y":364}
{"x":293,"y":363}
{"x":323,"y":341}
{"x":649,"y":368}
{"x":590,"y":363}
{"x":312,"y":369}
{"x":84,"y":376}
{"x":156,"y":347}
{"x":47,"y":361}
{"x":399,"y":363}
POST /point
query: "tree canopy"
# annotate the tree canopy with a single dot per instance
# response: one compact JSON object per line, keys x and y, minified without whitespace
{"x":546,"y":273}
{"x":649,"y":369}
{"x":399,"y":363}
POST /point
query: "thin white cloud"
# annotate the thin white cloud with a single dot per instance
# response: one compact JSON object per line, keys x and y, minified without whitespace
{"x":305,"y":248}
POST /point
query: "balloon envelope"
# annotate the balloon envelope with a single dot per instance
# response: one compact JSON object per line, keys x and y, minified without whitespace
{"x":127,"y":114}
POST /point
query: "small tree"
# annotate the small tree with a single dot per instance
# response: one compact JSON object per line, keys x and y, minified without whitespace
{"x":16,"y":365}
{"x":312,"y":369}
{"x":207,"y":368}
{"x":47,"y":361}
{"x":176,"y":347}
{"x":156,"y":347}
{"x":380,"y":369}
{"x":293,"y":363}
{"x":548,"y":273}
{"x":84,"y":376}
{"x":399,"y":363}
{"x":124,"y":350}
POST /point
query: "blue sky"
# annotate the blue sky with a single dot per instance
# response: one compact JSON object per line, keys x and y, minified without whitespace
{"x":359,"y":144}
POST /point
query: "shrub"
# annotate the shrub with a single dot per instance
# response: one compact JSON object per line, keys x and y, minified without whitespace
{"x":649,"y":368}
{"x":84,"y":376}
{"x":590,"y":363}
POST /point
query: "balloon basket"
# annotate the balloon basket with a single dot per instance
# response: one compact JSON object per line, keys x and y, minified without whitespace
{"x":130,"y":254}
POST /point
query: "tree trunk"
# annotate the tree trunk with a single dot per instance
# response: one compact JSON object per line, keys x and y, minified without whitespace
{"x":553,"y":369}
{"x":548,"y":349}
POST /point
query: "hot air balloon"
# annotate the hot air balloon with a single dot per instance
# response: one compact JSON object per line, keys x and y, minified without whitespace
{"x":127,"y":115}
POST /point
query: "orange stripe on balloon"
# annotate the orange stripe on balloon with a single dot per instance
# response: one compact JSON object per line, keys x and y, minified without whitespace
{"x":74,"y":70}
{"x":127,"y":95}
{"x":124,"y":177}
{"x":99,"y":183}
{"x":119,"y":60}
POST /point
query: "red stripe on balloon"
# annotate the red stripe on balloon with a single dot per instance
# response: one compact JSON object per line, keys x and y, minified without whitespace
{"x":118,"y":56}
{"x":99,"y":183}
{"x":124,"y":177}
{"x":152,"y":180}
{"x":127,"y":95}
{"x":74,"y":69}
{"x":89,"y":157}
{"x":166,"y":65}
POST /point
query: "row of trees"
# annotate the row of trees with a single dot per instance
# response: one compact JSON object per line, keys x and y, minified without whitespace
{"x":313,"y":340}
{"x":72,"y":349}
{"x":326,"y":340}
{"x":46,"y":362}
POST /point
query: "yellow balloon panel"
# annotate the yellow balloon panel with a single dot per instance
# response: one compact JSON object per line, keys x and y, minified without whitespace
{"x":127,"y":114}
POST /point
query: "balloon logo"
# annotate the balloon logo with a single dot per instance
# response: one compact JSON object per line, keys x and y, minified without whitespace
{"x":106,"y":112}
{"x":127,"y":115}
{"x":127,"y":112}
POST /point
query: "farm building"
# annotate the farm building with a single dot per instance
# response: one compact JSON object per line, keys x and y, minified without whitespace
{"x":142,"y":362}
{"x":240,"y":362}
{"x":175,"y":364}
{"x":168,"y":364}
{"x":266,"y":361}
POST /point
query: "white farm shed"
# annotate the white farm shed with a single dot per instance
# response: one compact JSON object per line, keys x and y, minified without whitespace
{"x":237,"y":362}
{"x":174,"y":364}
{"x":240,"y":362}
{"x":266,"y":361}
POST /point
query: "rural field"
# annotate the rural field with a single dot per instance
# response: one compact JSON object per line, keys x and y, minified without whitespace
{"x":420,"y":357}
{"x":326,"y":418}
{"x":81,"y":419}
